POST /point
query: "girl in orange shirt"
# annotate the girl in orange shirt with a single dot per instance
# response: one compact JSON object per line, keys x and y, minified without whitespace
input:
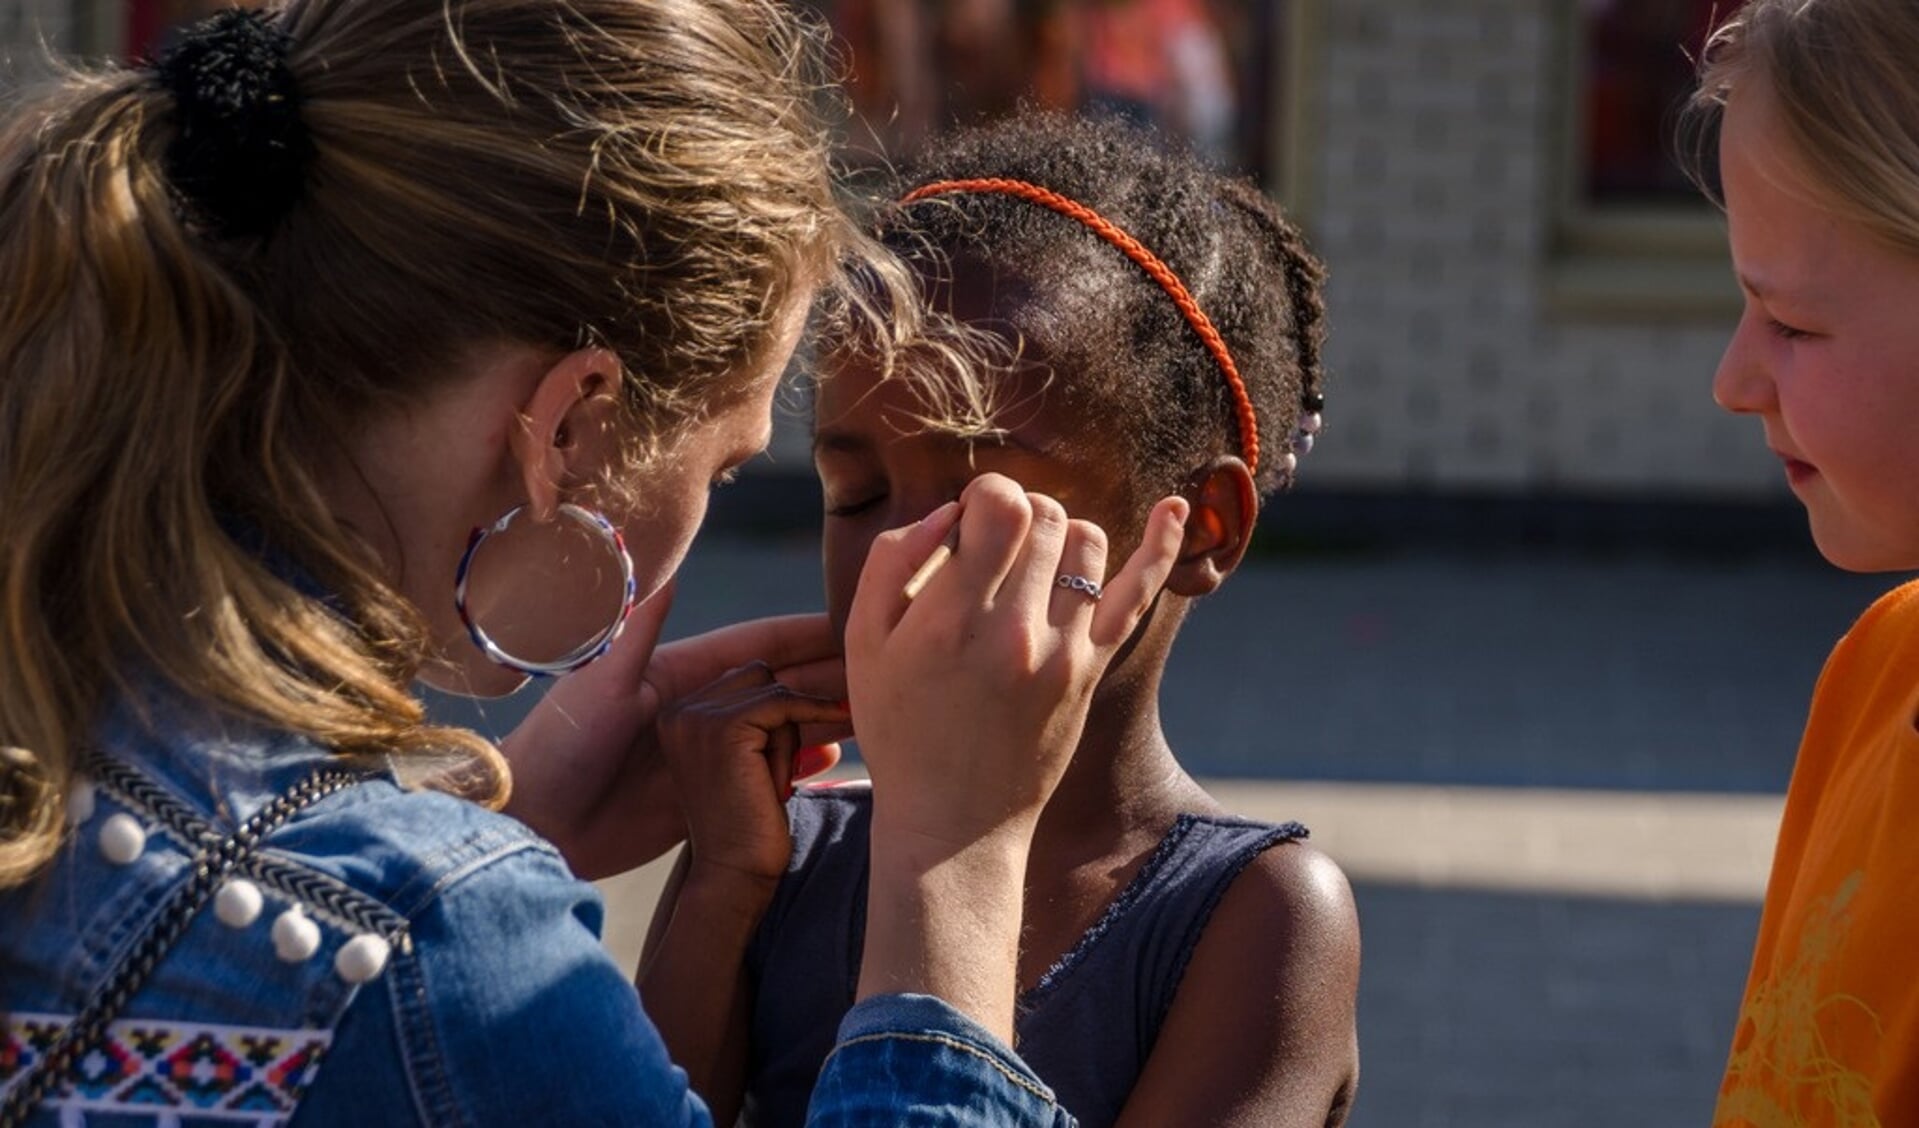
{"x":1816,"y":108}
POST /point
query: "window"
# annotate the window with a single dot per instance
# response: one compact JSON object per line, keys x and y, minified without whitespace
{"x":1632,"y":234}
{"x":1638,"y":73}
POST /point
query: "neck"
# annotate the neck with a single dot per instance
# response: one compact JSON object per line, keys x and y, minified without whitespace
{"x":1124,"y":780}
{"x":413,"y":483}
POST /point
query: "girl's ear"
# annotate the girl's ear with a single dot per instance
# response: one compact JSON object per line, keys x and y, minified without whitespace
{"x":1225,"y":509}
{"x":563,"y":426}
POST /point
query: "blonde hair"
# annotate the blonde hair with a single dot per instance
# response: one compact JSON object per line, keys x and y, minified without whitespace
{"x":648,"y":177}
{"x":1841,"y":74}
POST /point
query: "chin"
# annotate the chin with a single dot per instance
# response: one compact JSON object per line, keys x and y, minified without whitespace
{"x":1846,"y":546}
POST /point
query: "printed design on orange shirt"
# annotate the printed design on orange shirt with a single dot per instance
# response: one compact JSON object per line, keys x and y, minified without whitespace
{"x":1782,"y":1073}
{"x":244,"y":1074}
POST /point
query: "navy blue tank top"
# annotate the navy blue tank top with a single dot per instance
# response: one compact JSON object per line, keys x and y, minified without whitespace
{"x":1086,"y":1028}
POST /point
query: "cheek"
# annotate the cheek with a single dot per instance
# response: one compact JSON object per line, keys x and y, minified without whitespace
{"x":658,"y":537}
{"x":1823,"y":403}
{"x":843,"y":556}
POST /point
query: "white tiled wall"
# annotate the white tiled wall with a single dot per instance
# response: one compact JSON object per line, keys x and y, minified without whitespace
{"x":1430,"y":160}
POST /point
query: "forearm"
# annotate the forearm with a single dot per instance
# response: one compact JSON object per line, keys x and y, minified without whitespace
{"x":694,"y":985}
{"x":943,"y":919}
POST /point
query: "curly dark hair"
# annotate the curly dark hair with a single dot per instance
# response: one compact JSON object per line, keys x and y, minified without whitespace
{"x":1118,"y":351}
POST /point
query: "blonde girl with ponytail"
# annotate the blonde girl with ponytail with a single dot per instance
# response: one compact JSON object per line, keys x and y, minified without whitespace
{"x":365,"y":341}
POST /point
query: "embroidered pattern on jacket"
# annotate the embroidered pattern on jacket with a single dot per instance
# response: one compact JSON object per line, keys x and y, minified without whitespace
{"x":241,"y":1073}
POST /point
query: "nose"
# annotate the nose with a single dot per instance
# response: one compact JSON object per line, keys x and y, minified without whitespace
{"x":1743,"y":384}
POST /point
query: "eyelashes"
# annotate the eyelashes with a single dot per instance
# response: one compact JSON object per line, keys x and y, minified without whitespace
{"x":1784,"y":331}
{"x":854,"y":509}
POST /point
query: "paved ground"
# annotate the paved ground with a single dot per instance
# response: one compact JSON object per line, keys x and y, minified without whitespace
{"x":1553,"y":779}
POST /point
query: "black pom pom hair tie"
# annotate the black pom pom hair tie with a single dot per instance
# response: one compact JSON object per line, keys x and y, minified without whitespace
{"x":240,"y":158}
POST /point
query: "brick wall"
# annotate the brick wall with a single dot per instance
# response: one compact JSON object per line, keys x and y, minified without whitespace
{"x":1430,"y":157}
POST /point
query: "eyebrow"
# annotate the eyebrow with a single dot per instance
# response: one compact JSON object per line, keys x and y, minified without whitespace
{"x":830,"y":440}
{"x":1766,"y":292}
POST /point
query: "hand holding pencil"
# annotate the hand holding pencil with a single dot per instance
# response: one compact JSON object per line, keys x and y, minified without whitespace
{"x":974,"y":645}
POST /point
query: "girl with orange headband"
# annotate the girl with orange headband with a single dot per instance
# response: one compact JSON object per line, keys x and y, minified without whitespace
{"x":1160,"y":328}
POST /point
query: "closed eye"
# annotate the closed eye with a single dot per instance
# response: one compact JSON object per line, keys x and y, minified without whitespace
{"x":1784,"y":331}
{"x":855,"y":508}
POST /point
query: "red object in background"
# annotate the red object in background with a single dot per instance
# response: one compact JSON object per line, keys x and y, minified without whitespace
{"x":1639,"y":71}
{"x":147,"y":21}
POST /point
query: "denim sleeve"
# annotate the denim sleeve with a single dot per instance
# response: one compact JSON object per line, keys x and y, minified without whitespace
{"x":508,"y":1012}
{"x":914,"y":1059}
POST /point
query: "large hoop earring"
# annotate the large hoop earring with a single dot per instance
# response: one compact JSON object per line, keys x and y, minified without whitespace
{"x":586,"y":652}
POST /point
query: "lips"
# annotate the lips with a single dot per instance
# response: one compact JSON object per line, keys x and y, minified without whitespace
{"x":1797,"y":469}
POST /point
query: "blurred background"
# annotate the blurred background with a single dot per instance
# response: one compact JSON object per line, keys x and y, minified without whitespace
{"x":1530,"y":647}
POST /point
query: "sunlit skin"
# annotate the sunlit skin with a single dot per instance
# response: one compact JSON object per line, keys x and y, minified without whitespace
{"x":1124,"y":788}
{"x":1826,"y":355}
{"x":529,"y":428}
{"x":879,"y":471}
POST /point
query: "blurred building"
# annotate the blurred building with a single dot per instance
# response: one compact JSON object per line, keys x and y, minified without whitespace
{"x":1527,"y":297}
{"x":1526,"y":294}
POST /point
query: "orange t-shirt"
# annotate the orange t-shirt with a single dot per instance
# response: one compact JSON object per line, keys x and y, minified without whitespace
{"x":1829,"y":1031}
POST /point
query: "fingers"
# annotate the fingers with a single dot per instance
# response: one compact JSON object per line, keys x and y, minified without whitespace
{"x":749,"y":700}
{"x":824,"y":678}
{"x":750,"y":676}
{"x":813,"y":759}
{"x":1026,"y":591}
{"x":1132,"y":591}
{"x":1083,"y":555}
{"x":831,"y":732}
{"x":893,"y":559}
{"x":783,"y":640}
{"x":996,"y":528}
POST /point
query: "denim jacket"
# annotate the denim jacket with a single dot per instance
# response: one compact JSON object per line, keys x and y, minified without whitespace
{"x":401,"y":957}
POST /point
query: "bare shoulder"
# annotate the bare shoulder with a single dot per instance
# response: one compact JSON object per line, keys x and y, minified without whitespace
{"x":1262,"y":1026}
{"x":1288,"y":925}
{"x":1295,"y":891}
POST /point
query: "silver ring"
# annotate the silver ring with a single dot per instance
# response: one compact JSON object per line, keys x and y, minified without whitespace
{"x":1079,"y":584}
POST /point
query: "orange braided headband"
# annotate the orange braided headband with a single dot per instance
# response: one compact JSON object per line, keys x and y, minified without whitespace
{"x":1147,"y":260}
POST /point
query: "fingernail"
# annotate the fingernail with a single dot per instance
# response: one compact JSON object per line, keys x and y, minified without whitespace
{"x":811,"y":761}
{"x":940,"y":514}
